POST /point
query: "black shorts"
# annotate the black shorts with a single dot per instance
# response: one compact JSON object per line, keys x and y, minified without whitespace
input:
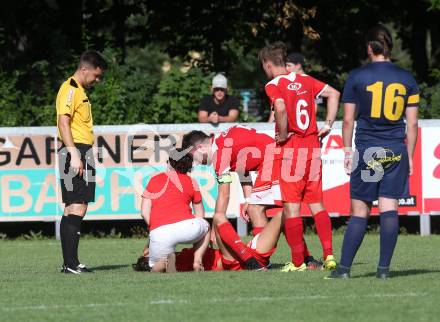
{"x":76,"y":189}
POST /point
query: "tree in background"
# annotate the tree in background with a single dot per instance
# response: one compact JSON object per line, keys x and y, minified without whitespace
{"x":40,"y":40}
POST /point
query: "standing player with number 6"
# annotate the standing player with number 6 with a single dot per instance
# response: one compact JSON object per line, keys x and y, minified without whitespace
{"x":293,"y":99}
{"x":383,"y":95}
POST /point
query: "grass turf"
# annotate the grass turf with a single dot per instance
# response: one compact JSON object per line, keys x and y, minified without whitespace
{"x":32,"y":289}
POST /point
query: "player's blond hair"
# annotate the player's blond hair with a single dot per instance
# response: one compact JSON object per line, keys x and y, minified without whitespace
{"x":275,"y":53}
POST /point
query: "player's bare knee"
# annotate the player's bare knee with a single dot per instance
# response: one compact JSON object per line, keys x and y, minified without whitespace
{"x":219,"y":219}
{"x":257,"y":215}
{"x":316,"y":207}
{"x":76,"y":209}
{"x":387,"y":204}
{"x":360,"y":208}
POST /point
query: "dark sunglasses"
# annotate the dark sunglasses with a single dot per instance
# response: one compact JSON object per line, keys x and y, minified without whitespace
{"x":216,"y":89}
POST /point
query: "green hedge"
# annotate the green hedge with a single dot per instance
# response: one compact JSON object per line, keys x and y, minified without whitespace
{"x":136,"y":90}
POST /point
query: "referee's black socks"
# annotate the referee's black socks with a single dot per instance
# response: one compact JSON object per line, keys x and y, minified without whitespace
{"x":70,"y":232}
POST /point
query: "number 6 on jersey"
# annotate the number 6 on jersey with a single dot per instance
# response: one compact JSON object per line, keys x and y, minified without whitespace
{"x":302,"y":114}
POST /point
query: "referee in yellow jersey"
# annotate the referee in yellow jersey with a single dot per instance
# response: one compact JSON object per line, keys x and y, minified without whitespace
{"x":77,"y":170}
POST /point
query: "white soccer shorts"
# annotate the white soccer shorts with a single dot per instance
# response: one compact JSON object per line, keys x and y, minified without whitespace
{"x":164,"y":239}
{"x":266,"y":196}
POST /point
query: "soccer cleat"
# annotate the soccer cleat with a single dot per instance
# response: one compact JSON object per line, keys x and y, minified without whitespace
{"x":69,"y":270}
{"x":253,"y":265}
{"x":312,"y":263}
{"x":290,"y":267}
{"x":338,"y":274}
{"x":83,"y":269}
{"x":383,"y":273}
{"x":330,"y":263}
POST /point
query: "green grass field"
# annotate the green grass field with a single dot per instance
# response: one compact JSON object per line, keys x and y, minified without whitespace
{"x":32,"y":289}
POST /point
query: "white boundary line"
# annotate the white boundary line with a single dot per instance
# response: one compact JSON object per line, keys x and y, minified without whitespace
{"x":212,"y":301}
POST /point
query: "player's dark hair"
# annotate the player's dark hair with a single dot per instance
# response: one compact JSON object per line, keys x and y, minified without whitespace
{"x":141,"y":265}
{"x":94,"y":59}
{"x":296,"y":58}
{"x":380,"y":40}
{"x":193,"y":138}
{"x":275,"y":53}
{"x":180,"y":161}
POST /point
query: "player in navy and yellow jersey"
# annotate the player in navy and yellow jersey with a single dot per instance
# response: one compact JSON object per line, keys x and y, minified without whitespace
{"x":385,"y":99}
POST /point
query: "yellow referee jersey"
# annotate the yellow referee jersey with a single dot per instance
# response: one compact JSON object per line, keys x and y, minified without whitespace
{"x":73,"y":101}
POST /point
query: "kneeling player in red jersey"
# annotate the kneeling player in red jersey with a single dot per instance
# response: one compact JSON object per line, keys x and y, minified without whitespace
{"x":166,"y":210}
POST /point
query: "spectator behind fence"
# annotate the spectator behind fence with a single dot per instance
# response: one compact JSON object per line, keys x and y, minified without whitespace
{"x":219,"y":107}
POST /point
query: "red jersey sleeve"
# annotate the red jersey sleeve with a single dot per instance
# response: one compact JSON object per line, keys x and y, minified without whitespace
{"x":151,"y":189}
{"x":156,"y":186}
{"x":197,"y":196}
{"x":318,"y":87}
{"x":273,"y":93}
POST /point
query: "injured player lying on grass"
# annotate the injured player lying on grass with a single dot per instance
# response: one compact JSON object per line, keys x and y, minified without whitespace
{"x":221,"y":258}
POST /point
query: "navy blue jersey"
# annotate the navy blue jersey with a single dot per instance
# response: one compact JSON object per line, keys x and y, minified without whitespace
{"x":382,"y":92}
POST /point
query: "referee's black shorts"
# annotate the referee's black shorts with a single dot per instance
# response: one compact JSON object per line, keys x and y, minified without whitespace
{"x":76,"y":189}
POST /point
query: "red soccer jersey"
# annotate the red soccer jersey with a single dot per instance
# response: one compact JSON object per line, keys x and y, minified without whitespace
{"x":211,"y":259}
{"x":171,"y":194}
{"x":298,"y":91}
{"x":241,"y":149}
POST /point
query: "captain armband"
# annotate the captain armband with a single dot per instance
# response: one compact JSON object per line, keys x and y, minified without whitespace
{"x":224,"y":178}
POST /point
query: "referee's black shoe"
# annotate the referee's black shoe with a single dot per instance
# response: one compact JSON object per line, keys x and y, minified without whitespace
{"x":70,"y":270}
{"x":83,"y":269}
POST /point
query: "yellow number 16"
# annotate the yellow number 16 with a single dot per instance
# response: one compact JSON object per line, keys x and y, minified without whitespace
{"x":394,"y":100}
